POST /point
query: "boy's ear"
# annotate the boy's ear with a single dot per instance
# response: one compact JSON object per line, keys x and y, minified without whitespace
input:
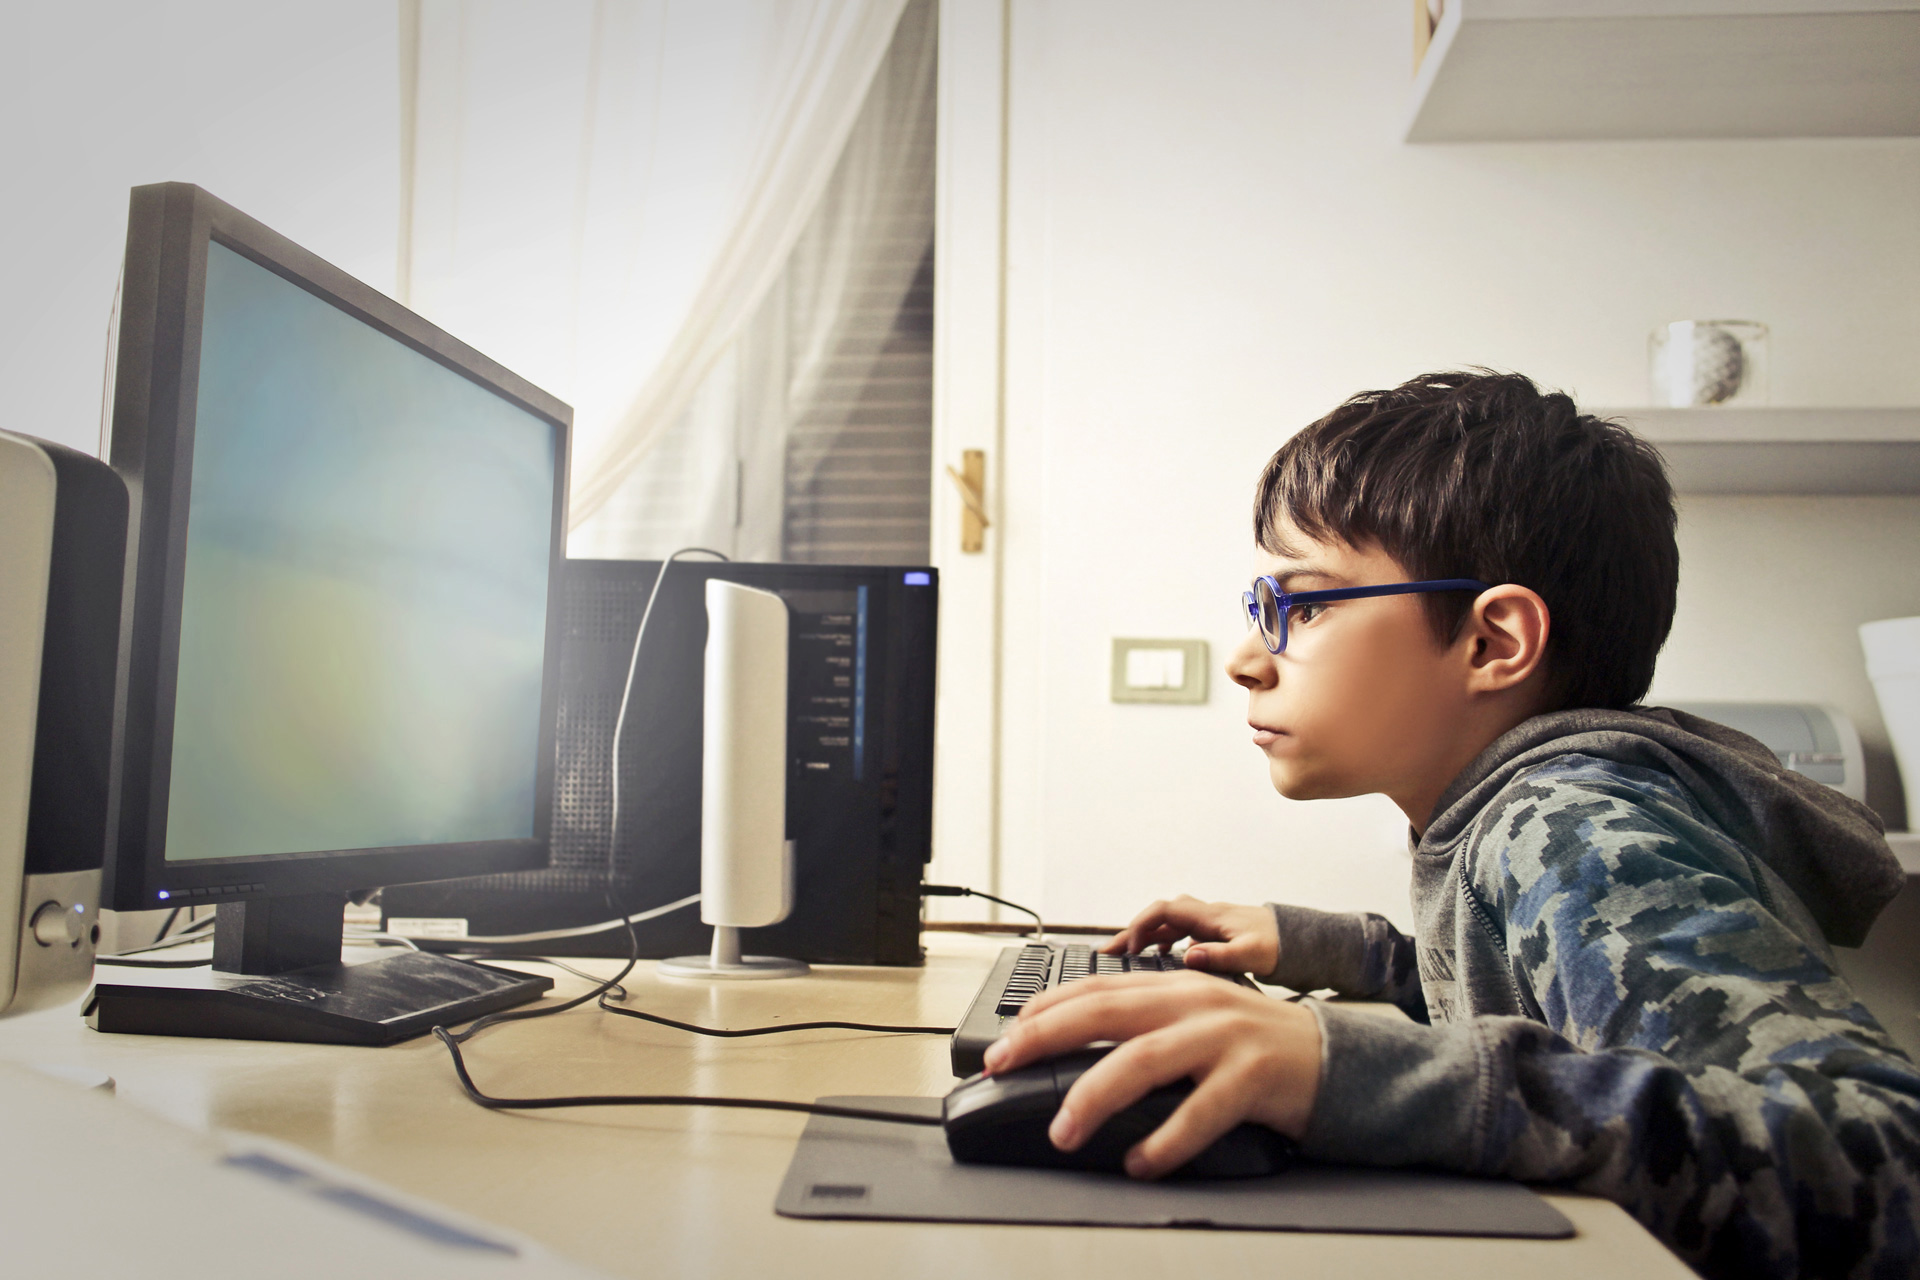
{"x":1505,"y":638}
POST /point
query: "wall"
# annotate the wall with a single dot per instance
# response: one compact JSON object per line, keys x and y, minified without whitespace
{"x":1213,"y":235}
{"x":288,"y":111}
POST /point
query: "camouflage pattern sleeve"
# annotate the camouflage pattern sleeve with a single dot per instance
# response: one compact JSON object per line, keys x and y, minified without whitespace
{"x":1353,"y":953}
{"x":1683,"y":1044}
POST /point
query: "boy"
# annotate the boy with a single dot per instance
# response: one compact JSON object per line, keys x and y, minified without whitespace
{"x":1623,"y":982}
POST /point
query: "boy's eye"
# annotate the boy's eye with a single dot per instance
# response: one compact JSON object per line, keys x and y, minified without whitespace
{"x":1304,"y":613}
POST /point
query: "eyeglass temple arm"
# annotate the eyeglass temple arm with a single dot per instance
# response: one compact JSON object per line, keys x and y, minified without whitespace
{"x":1389,"y":589}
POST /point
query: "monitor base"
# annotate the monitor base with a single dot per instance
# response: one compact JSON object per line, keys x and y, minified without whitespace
{"x":378,"y":1002}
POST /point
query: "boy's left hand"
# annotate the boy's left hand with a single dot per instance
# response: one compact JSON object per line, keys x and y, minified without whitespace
{"x":1250,"y":1057}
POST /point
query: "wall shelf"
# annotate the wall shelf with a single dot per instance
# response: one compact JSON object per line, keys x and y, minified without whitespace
{"x":1540,"y":70}
{"x":1784,"y":450}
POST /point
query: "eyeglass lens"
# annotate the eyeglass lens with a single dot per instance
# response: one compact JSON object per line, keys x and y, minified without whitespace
{"x":1266,"y":608}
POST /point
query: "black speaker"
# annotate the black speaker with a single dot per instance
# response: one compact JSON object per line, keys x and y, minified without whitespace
{"x":859,"y":789}
{"x":63,"y":544}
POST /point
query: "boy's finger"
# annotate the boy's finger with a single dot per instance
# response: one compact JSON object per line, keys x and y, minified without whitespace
{"x":1116,"y":1008}
{"x":1123,"y":1077}
{"x":1132,"y":938}
{"x":1166,"y":921}
{"x":1129,"y":938}
{"x":1216,"y":1105}
{"x":1082,"y":988}
{"x":1233,"y":956}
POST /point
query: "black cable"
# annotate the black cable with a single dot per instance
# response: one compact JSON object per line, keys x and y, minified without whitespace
{"x":961,"y":891}
{"x":126,"y":963}
{"x":192,"y":933}
{"x":662,"y":1099}
{"x":453,"y":1040}
{"x":767,"y":1031}
{"x":450,"y":1039}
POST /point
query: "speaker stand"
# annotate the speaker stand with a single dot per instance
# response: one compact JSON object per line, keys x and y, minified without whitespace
{"x":727,"y":962}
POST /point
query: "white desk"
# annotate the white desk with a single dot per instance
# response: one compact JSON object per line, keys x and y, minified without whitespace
{"x":671,"y":1192}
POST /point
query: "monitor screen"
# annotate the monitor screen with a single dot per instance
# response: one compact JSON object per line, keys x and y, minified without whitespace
{"x":363,"y":609}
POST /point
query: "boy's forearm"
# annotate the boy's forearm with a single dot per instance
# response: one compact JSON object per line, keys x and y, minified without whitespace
{"x":1745,"y":1173}
{"x":1355,"y":953}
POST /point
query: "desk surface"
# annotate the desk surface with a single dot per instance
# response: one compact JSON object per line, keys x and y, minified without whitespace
{"x":651,"y":1192}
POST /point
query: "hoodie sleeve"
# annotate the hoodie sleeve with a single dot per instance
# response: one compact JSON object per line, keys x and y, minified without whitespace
{"x":1354,"y":953}
{"x":1688,"y":1054}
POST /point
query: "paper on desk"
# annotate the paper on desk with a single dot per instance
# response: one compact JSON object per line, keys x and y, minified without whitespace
{"x":100,"y":1187}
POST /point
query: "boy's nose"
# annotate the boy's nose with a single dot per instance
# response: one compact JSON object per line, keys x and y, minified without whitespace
{"x":1251,"y":666}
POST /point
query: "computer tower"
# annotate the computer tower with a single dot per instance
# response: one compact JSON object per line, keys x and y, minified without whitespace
{"x":859,"y":722}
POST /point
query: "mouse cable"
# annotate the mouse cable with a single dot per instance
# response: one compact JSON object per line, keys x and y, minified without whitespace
{"x":452,"y":1040}
{"x":767,"y":1031}
{"x":663,"y":1099}
{"x":618,"y":992}
{"x":960,"y":891}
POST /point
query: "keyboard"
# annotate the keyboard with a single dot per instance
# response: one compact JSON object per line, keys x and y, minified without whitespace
{"x":1021,"y":973}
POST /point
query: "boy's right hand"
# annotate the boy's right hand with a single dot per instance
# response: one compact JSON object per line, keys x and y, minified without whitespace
{"x":1227,"y":937}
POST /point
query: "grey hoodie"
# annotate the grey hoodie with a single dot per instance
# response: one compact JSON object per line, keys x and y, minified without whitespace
{"x":1624,"y":921}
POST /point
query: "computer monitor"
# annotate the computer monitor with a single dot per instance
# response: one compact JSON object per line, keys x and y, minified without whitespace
{"x":340,"y":655}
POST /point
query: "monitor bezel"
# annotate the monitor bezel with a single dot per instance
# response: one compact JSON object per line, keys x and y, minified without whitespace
{"x":169,"y":227}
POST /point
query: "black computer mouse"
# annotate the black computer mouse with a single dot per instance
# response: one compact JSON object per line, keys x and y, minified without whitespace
{"x":1003,"y":1119}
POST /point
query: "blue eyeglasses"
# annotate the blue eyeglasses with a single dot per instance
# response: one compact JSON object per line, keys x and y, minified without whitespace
{"x":1268,"y":607}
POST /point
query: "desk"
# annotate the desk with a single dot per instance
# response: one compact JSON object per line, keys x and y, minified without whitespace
{"x":670,"y":1192}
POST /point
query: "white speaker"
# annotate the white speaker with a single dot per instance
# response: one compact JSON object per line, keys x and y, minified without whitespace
{"x":746,"y":862}
{"x":63,"y":541}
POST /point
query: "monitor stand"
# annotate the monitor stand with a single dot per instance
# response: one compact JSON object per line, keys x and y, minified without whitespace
{"x":277,"y":975}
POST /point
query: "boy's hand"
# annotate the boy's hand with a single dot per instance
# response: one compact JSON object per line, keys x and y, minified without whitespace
{"x":1227,"y":937}
{"x":1250,"y":1058}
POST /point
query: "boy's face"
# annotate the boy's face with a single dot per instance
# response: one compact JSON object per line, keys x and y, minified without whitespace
{"x":1365,"y":698}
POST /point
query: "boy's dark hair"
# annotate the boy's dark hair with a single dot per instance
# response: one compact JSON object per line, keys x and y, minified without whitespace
{"x":1482,"y":475}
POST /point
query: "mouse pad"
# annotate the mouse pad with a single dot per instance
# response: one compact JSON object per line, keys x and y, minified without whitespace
{"x":869,"y":1169}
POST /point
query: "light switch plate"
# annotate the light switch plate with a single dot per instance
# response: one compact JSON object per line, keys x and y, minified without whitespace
{"x":1159,"y":671}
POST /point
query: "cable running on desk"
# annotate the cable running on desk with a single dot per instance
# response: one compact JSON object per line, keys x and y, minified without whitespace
{"x":618,"y":992}
{"x":724,"y":1033}
{"x":661,"y":1099}
{"x":453,"y":1040}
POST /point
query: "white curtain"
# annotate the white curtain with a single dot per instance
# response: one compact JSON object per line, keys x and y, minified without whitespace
{"x":801,"y":443}
{"x":603,"y":192}
{"x":854,"y":265}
